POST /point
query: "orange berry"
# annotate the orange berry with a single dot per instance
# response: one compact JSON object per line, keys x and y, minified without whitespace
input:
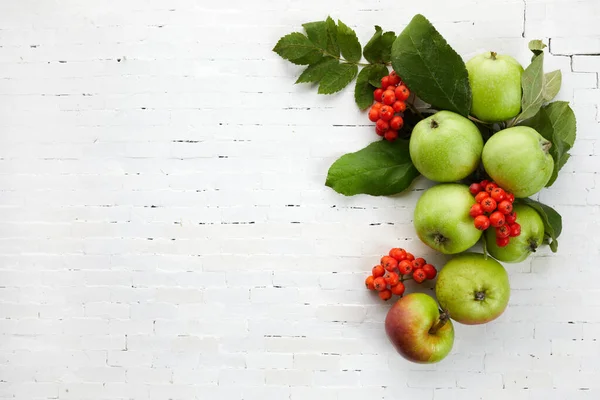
{"x":398,"y":254}
{"x":398,"y":289}
{"x":418,"y":263}
{"x":405,"y":267}
{"x":389,"y":263}
{"x":430,"y":271}
{"x":369,"y":282}
{"x":385,"y":294}
{"x":391,"y":278}
{"x":378,"y":271}
{"x":379,"y":284}
{"x":409,"y":256}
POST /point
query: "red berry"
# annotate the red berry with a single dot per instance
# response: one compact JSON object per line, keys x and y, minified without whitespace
{"x":497,"y":219}
{"x":475,"y":188}
{"x":476,"y":210}
{"x":388,"y":97}
{"x":382,"y":125}
{"x":502,"y":242}
{"x":498,"y":194}
{"x":418,"y":263}
{"x":391,"y":135}
{"x":402,"y":92}
{"x":377,"y":94}
{"x":488,"y":204}
{"x":505,"y":207}
{"x":430,"y":271}
{"x":394,"y":79}
{"x":385,"y":295}
{"x":377,"y":105}
{"x":385,"y":82}
{"x":396,"y":123}
{"x":399,"y":106}
{"x":510,"y":197}
{"x":369,"y":282}
{"x":481,"y":196}
{"x":391,"y":278}
{"x":391,"y":87}
{"x":378,"y":271}
{"x":502,"y":231}
{"x":515,"y":230}
{"x":379,"y":284}
{"x":379,"y":131}
{"x":482,"y":222}
{"x":398,"y":289}
{"x":409,"y":256}
{"x":389,"y":263}
{"x":419,"y":275}
{"x":490,"y":186}
{"x":484,"y":183}
{"x":387,"y":113}
{"x":398,"y":254}
{"x":374,"y":114}
{"x":511,"y":218}
{"x":405,"y":267}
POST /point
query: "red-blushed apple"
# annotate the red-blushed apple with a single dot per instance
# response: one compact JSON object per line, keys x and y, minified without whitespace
{"x":473,"y":289}
{"x":418,"y":330}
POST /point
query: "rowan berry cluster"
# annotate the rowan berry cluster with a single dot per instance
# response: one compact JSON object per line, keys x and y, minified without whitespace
{"x":389,"y":106}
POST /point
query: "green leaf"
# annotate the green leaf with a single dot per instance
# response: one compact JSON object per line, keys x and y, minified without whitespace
{"x":556,"y":123}
{"x":552,"y":221}
{"x":431,"y":68}
{"x":382,"y":168}
{"x":537,"y":47}
{"x":337,"y":78}
{"x":296,"y":48}
{"x":552,"y":82}
{"x":379,"y":48}
{"x":532,"y":83}
{"x":317,"y":33}
{"x":363,"y":91}
{"x":316,"y":72}
{"x":349,"y":44}
{"x":332,"y":41}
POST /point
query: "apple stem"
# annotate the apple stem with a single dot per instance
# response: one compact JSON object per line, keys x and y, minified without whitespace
{"x":546,"y":146}
{"x":444,"y":317}
{"x":493,"y":54}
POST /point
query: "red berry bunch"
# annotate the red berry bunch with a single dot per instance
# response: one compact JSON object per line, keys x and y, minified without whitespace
{"x":388,"y":277}
{"x":494,"y":208}
{"x":387,"y":112}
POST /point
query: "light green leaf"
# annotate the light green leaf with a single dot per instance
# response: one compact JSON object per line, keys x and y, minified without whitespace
{"x":382,"y":168}
{"x":431,"y":68}
{"x":363,"y":91}
{"x":348,"y":42}
{"x":316,"y":72}
{"x":337,"y":78}
{"x":552,"y":82}
{"x":332,"y":41}
{"x":532,"y":83}
{"x":379,"y":48}
{"x":537,"y":47}
{"x":563,"y":121}
{"x":552,"y":221}
{"x":296,"y":47}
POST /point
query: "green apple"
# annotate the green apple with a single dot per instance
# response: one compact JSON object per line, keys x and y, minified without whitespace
{"x":518,"y":160}
{"x":519,"y":247}
{"x":495,"y":86}
{"x":474,"y":290}
{"x":442,"y":219}
{"x":445,"y":147}
{"x":417,"y":329}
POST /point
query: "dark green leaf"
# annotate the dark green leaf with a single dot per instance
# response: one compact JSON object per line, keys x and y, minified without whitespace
{"x":316,"y":72}
{"x":532,"y":83}
{"x":552,"y":82}
{"x":379,"y":48}
{"x":552,"y":221}
{"x":296,"y":48}
{"x":382,"y":168}
{"x":363,"y":91}
{"x":431,"y":68}
{"x":332,"y":41}
{"x":317,"y":33}
{"x":337,"y":78}
{"x":537,"y":47}
{"x":349,"y":44}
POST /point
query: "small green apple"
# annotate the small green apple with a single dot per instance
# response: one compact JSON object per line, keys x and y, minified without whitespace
{"x":474,"y":290}
{"x":442,"y":219}
{"x":519,"y":247}
{"x":417,"y":329}
{"x":496,"y":86}
{"x":445,"y":147}
{"x":518,"y":160}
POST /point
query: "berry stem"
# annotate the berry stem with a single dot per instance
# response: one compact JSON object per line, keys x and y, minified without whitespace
{"x":444,"y":317}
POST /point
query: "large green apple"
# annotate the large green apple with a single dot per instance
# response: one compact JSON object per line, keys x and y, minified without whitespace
{"x":442,"y":219}
{"x":520,"y":247}
{"x":417,"y":329}
{"x":518,"y":160}
{"x":473,"y":289}
{"x":496,"y":86}
{"x":445,"y":147}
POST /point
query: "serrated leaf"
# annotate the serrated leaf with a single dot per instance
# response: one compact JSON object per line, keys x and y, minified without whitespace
{"x":532,"y":82}
{"x":332,"y":41}
{"x":348,"y":42}
{"x":431,"y":68}
{"x":552,"y":221}
{"x":296,"y":48}
{"x":317,"y":33}
{"x":552,"y":82}
{"x":337,"y":78}
{"x":379,"y":47}
{"x":382,"y":168}
{"x":537,"y":47}
{"x":363,"y":91}
{"x":316,"y":72}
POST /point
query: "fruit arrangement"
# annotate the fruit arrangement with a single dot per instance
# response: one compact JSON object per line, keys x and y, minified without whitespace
{"x":487,"y":131}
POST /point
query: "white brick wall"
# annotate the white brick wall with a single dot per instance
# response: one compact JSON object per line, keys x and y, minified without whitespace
{"x":165,"y":232}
